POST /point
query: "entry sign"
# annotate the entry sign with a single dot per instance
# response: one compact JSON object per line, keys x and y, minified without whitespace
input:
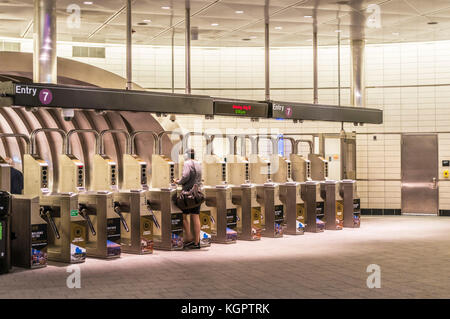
{"x":241,"y":108}
{"x":282,"y":111}
{"x":30,"y":95}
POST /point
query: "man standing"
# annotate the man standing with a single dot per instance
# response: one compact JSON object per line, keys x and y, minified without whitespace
{"x":192,"y":174}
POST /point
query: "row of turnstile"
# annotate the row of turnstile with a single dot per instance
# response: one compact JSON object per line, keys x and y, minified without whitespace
{"x":246,"y":197}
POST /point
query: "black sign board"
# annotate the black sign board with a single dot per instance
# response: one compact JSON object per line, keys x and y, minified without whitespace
{"x":320,"y":112}
{"x":48,"y":95}
{"x":251,"y":109}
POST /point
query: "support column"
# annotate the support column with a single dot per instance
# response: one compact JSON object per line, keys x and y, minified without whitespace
{"x":315,"y":66}
{"x":44,"y":57}
{"x":357,"y":73}
{"x":357,"y":45}
{"x":267,"y":51}
{"x":188,"y":47}
{"x":129,"y":47}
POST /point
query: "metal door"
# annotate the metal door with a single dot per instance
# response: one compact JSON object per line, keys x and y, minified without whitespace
{"x":420,"y":193}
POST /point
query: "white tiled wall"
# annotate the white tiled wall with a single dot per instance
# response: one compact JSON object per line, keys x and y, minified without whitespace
{"x":410,"y":82}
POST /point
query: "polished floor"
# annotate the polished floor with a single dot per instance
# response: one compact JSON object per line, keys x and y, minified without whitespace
{"x":413,"y":253}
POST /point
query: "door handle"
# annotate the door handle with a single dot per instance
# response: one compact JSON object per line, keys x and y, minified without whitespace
{"x":434,"y":183}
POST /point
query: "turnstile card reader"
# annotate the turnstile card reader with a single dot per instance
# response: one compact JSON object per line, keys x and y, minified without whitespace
{"x":134,"y":173}
{"x":319,"y":167}
{"x":29,"y":233}
{"x":71,"y":174}
{"x":36,"y":176}
{"x":300,"y":167}
{"x":105,"y":174}
{"x":164,"y":171}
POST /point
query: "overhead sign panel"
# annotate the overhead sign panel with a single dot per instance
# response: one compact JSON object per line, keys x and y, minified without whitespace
{"x":241,"y":108}
{"x":47,"y":95}
{"x":320,"y":112}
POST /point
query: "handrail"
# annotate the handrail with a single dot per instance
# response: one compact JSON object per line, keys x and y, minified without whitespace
{"x":291,"y":140}
{"x":23,"y":136}
{"x":189,"y":134}
{"x":244,"y":146}
{"x":71,"y":132}
{"x":161,"y":134}
{"x":267,"y":137}
{"x":231,"y":139}
{"x":133,"y":138}
{"x":310,"y":143}
{"x":40,"y":130}
{"x":127,"y":136}
{"x":311,"y":147}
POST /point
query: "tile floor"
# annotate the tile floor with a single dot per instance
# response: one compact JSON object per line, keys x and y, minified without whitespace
{"x":412,"y":251}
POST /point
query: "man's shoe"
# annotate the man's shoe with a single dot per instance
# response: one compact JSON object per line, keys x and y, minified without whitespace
{"x":195,"y":246}
{"x":188,"y":245}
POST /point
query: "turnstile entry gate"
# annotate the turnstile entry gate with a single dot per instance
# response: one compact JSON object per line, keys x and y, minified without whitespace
{"x":5,"y":244}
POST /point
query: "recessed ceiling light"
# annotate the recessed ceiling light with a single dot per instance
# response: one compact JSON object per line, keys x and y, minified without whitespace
{"x":307,"y":16}
{"x":165,"y":8}
{"x":147,"y":20}
{"x":239,"y":11}
{"x":278,"y":28}
{"x":214,"y":24}
{"x":253,"y":37}
{"x":337,"y":31}
{"x":88,"y":2}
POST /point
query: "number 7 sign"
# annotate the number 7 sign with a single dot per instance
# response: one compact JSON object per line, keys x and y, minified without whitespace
{"x":45,"y":96}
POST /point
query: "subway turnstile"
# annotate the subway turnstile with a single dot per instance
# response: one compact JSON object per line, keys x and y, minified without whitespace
{"x":29,"y":233}
{"x":294,"y":210}
{"x":5,"y":244}
{"x":243,"y":196}
{"x":219,"y":200}
{"x":310,"y":190}
{"x":249,"y":225}
{"x":168,"y":219}
{"x":351,"y":204}
{"x":67,"y":234}
{"x":333,"y":215}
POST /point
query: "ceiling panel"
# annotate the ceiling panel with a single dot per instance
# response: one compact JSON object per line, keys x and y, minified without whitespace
{"x":219,"y":24}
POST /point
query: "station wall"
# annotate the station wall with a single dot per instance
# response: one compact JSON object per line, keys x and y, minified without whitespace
{"x":408,"y":81}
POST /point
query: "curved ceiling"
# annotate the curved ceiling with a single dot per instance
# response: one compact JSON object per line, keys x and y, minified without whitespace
{"x":20,"y":65}
{"x":238,"y":22}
